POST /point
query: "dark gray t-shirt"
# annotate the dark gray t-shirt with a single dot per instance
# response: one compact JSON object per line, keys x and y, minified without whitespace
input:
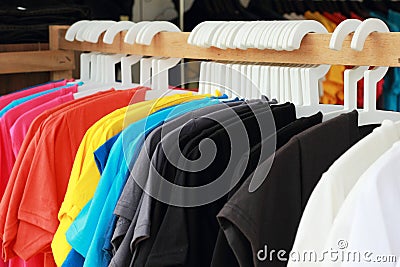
{"x":131,"y":230}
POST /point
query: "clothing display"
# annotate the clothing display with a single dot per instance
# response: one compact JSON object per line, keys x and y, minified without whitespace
{"x":96,"y":206}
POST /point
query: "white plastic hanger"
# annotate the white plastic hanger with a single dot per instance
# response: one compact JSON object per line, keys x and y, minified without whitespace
{"x":311,"y":105}
{"x":201,"y":33}
{"x":255,"y":81}
{"x":206,"y":35}
{"x":263,"y":42}
{"x":251,"y":41}
{"x":228,"y":80}
{"x":211,"y":35}
{"x":132,"y":33}
{"x":295,"y":86}
{"x":274,"y":36}
{"x":97,"y":29}
{"x":202,"y":77}
{"x":85,"y":66}
{"x":243,"y":34}
{"x":72,"y":31}
{"x":230,"y":37}
{"x":194,"y":33}
{"x":266,"y":81}
{"x":249,"y":83}
{"x":370,"y":114}
{"x":220,"y":33}
{"x":160,"y":81}
{"x":126,"y":69}
{"x":83,"y":30}
{"x":220,"y":70}
{"x":243,"y":80}
{"x":116,"y":29}
{"x":279,"y":42}
{"x":300,"y":30}
{"x":351,"y":77}
{"x":147,"y":33}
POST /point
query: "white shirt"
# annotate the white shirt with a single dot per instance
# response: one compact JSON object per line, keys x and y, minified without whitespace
{"x":368,"y":222}
{"x":333,"y":188}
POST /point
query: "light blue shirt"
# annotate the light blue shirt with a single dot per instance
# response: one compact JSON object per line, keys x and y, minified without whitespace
{"x":22,"y":100}
{"x":87,"y":233}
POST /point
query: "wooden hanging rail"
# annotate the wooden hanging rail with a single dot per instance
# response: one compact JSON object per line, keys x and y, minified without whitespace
{"x":381,"y":49}
{"x":36,"y":61}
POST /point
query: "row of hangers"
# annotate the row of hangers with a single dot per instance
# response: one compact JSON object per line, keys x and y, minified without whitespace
{"x":300,"y":84}
{"x":98,"y":70}
{"x":282,"y":35}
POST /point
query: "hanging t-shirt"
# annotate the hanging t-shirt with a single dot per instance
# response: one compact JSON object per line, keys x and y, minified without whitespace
{"x":143,"y":160}
{"x":12,"y":196}
{"x":334,"y":186}
{"x":367,"y":221}
{"x":253,"y":221}
{"x":19,"y":101}
{"x":64,"y":127}
{"x":84,"y":168}
{"x":21,"y":126}
{"x":135,"y":221}
{"x":134,"y":133}
{"x":194,"y":247}
{"x":85,"y":175}
{"x":7,"y":120}
{"x":101,"y":154}
{"x":7,"y":99}
{"x":34,"y":221}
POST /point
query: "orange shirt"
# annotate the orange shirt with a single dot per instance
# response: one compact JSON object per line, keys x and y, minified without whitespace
{"x":49,"y":170}
{"x":12,"y":197}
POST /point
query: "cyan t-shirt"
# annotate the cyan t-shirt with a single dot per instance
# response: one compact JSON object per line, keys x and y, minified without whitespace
{"x":87,"y":233}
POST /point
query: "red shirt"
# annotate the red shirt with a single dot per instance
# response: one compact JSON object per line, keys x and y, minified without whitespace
{"x":50,"y":167}
{"x":13,"y":193}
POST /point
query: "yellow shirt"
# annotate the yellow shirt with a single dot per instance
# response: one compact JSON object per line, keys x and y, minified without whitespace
{"x":85,"y":175}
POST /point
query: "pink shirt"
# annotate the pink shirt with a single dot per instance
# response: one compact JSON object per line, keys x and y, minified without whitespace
{"x":21,"y":126}
{"x":7,"y":99}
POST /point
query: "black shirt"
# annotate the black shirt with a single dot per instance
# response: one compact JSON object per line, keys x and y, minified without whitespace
{"x":286,"y":114}
{"x":270,"y":215}
{"x":187,"y":236}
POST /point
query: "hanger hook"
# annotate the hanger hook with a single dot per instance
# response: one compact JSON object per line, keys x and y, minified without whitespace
{"x":342,"y":31}
{"x":115,"y":29}
{"x":366,"y":28}
{"x":147,"y":33}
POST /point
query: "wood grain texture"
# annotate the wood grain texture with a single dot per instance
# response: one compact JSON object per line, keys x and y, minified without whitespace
{"x":36,"y":61}
{"x":381,"y":49}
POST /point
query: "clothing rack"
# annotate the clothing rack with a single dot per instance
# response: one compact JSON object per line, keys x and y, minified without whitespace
{"x":379,"y":49}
